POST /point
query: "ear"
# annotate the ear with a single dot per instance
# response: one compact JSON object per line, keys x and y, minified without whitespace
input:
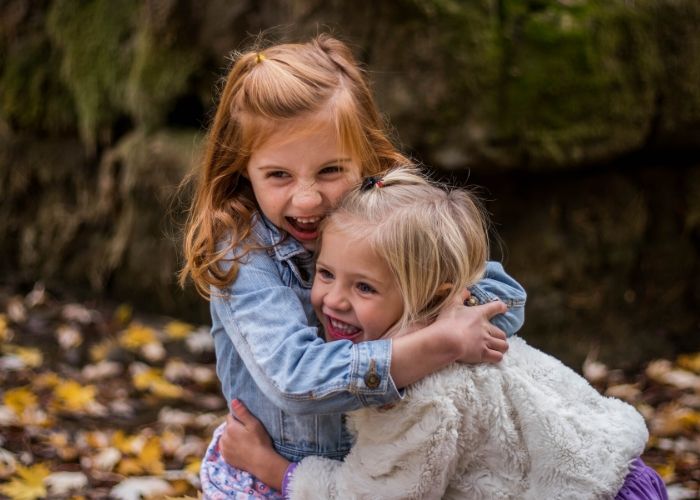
{"x":444,"y":290}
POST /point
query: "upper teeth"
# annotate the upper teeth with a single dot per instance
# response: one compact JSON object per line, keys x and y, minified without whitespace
{"x":344,"y":327}
{"x":307,"y":220}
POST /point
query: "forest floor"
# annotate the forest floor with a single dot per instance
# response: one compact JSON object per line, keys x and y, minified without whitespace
{"x":103,"y":402}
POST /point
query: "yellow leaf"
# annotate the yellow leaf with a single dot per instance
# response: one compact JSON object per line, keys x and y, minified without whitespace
{"x":689,"y":362}
{"x":30,"y":356}
{"x":72,"y":396}
{"x":20,"y":399}
{"x":178,"y":329}
{"x":193,"y":465}
{"x":153,"y":381}
{"x":129,"y":467}
{"x":3,"y":328}
{"x":137,"y":336}
{"x":99,"y":351}
{"x":666,"y":471}
{"x":151,"y":456}
{"x":29,"y":485}
{"x":46,"y":380}
{"x":123,"y":314}
{"x":128,"y":444}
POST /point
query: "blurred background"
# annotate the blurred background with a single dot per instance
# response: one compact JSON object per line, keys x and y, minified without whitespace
{"x":579,"y":120}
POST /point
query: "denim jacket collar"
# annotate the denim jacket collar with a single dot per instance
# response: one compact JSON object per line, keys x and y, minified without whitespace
{"x":283,"y":248}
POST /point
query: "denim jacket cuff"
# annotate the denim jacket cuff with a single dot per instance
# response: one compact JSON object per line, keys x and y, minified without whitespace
{"x":370,"y":374}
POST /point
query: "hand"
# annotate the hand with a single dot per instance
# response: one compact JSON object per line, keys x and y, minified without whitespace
{"x":245,"y":444}
{"x":476,"y":340}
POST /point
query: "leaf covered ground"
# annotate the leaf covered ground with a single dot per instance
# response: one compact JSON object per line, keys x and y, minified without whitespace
{"x":100,"y":402}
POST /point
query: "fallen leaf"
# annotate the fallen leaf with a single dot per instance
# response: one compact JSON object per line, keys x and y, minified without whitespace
{"x":8,"y":463}
{"x":177,"y":330}
{"x":689,"y":362}
{"x":102,"y":370}
{"x":62,"y":483}
{"x":4,"y":330}
{"x":152,"y":380}
{"x":78,"y":313}
{"x":68,"y":337}
{"x":29,"y":483}
{"x":29,"y":356}
{"x":137,"y":487}
{"x":20,"y":399}
{"x":72,"y":396}
{"x":106,"y":459}
{"x":123,"y":314}
{"x":151,"y":456}
{"x":136,"y":336}
{"x":200,"y":341}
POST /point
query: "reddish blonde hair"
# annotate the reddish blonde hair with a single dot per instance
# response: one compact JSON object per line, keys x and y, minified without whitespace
{"x":266,"y":89}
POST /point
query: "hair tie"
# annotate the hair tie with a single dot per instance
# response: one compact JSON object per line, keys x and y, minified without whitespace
{"x":260,"y":57}
{"x":371,"y":181}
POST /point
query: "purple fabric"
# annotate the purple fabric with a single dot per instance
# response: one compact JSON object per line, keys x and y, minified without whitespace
{"x":287,"y":477}
{"x":642,"y":483}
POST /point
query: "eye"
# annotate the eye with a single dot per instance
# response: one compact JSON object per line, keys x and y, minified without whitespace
{"x":365,"y":288}
{"x":324,"y":274}
{"x":276,"y":174}
{"x":331,"y":169}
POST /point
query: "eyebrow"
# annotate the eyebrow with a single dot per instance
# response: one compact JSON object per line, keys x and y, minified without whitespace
{"x":324,"y":164}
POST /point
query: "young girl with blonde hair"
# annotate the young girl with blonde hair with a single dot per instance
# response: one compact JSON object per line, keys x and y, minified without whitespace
{"x":295,"y":128}
{"x":394,"y":254}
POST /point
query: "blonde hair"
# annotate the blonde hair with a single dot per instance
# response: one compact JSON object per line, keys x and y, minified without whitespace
{"x":265,"y":90}
{"x":433,"y":238}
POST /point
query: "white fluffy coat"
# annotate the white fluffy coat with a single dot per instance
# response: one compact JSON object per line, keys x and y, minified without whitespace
{"x":527,"y":428}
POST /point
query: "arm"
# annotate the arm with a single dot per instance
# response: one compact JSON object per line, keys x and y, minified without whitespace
{"x":266,"y":322}
{"x":497,"y":285}
{"x":408,"y":452}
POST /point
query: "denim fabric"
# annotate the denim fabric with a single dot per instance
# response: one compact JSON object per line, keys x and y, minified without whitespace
{"x":270,"y":356}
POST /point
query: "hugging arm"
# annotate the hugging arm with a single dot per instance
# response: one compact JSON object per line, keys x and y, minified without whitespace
{"x":265,"y":321}
{"x":407,"y":452}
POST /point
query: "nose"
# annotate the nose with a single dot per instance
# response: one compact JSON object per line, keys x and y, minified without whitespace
{"x":307,"y":197}
{"x":335,"y":299}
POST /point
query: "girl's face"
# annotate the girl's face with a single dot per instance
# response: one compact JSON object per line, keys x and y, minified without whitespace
{"x":298,"y":175}
{"x":354,"y":294}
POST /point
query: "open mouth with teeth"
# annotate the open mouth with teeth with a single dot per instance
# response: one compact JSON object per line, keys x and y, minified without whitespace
{"x":304,"y":228}
{"x":339,"y":330}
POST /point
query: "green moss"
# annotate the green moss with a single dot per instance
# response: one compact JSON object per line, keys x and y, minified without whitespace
{"x":164,"y":62}
{"x":94,"y":37}
{"x":31,"y":97}
{"x":31,"y":94}
{"x":581,"y":77}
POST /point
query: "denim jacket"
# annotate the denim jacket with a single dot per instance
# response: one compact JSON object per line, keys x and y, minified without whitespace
{"x":270,"y":355}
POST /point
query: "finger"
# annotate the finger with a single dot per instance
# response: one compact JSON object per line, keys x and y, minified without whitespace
{"x":492,"y":356}
{"x":242,"y":414}
{"x":496,"y":332}
{"x":498,"y":345}
{"x":491,"y":309}
{"x":465,"y":295}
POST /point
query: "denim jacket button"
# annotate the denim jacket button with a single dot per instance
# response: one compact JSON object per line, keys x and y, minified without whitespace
{"x":372,"y":380}
{"x":471,"y":301}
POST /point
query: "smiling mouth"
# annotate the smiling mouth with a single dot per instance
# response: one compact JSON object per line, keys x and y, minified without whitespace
{"x":305,"y":225}
{"x":339,"y":330}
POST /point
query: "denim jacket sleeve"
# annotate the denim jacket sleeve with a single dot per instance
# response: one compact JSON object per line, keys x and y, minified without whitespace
{"x":299,"y":372}
{"x":497,"y":285}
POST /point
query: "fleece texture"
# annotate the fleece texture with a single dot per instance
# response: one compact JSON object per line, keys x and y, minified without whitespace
{"x":526,"y":428}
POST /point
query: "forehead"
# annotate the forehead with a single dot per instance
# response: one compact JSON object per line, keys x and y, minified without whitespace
{"x":349,"y":249}
{"x":310,"y":131}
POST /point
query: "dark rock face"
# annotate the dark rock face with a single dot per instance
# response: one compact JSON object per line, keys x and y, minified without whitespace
{"x":581,"y":118}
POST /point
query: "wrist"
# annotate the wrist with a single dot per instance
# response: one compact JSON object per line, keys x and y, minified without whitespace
{"x":441,"y":343}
